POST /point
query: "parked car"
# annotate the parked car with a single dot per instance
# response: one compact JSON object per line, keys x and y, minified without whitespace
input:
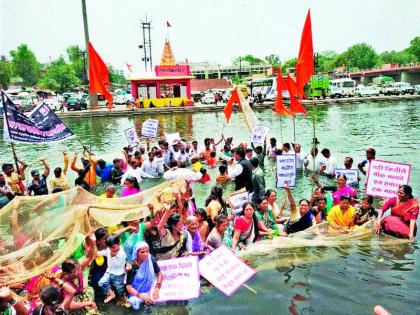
{"x":26,"y":105}
{"x":53,"y":103}
{"x":208,"y":99}
{"x":74,"y":103}
{"x":121,"y":98}
{"x":366,"y":91}
{"x":196,"y":95}
{"x":417,"y":89}
{"x":404,"y":87}
{"x":389,"y":89}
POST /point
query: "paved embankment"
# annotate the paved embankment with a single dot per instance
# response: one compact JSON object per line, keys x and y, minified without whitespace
{"x":202,"y":108}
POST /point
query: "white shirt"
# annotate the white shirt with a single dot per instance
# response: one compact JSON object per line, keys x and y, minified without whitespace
{"x":331,"y":165}
{"x":182,"y":173}
{"x":300,"y":157}
{"x":116,"y":264}
{"x":137,"y":173}
{"x":272,"y":152}
{"x":236,"y":171}
{"x":150,"y":168}
{"x":309,"y":163}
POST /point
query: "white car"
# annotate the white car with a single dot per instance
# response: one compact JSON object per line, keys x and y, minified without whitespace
{"x":122,"y":97}
{"x":53,"y":103}
{"x":366,"y":91}
{"x":208,"y":99}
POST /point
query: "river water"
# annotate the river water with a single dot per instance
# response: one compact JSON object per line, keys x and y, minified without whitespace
{"x":330,"y":280}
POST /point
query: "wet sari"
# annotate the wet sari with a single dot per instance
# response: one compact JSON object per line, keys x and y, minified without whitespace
{"x":398,"y":222}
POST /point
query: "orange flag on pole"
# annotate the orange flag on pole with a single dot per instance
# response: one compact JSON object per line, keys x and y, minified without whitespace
{"x":98,"y":75}
{"x":234,"y":98}
{"x":295,"y":105}
{"x":279,"y":107}
{"x":305,"y":62}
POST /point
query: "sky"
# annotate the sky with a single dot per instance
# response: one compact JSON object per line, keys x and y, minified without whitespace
{"x":215,"y":31}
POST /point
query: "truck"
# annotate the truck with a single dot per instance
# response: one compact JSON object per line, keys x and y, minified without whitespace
{"x":317,"y":87}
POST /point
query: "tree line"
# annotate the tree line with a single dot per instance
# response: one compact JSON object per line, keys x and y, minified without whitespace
{"x":62,"y":74}
{"x":357,"y":57}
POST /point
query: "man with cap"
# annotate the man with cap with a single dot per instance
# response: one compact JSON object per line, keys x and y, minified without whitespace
{"x":38,"y":185}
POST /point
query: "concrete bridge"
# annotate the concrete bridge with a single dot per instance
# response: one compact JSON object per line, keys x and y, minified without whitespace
{"x":410,"y":74}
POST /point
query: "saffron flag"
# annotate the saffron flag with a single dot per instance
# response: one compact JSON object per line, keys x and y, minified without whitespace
{"x":279,"y":107}
{"x":129,"y":67}
{"x":295,"y":105}
{"x":98,"y":75}
{"x":305,"y":62}
{"x":234,"y":98}
{"x":168,"y":24}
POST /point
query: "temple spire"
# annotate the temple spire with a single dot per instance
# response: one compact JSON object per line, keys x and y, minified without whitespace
{"x":168,"y":58}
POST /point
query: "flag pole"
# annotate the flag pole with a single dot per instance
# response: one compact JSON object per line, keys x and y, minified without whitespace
{"x":314,"y":137}
{"x":15,"y":156}
{"x":294,"y":131}
{"x":281,"y":130}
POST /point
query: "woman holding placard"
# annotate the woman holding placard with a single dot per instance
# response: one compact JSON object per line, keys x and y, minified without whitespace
{"x":404,"y":212}
{"x":141,"y":277}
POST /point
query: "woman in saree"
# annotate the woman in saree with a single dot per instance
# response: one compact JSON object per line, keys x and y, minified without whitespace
{"x":141,"y":277}
{"x":337,"y":191}
{"x":342,"y":214}
{"x":404,"y":212}
{"x":195,"y":245}
{"x":247,"y":227}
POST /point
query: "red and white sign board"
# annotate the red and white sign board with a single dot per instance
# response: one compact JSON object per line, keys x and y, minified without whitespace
{"x":224,"y":270}
{"x":385,"y":177}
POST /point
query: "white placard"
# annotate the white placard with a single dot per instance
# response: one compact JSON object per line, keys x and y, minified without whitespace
{"x":149,"y":128}
{"x":131,"y":136}
{"x":352,"y":174}
{"x":181,"y":279}
{"x":172,"y":137}
{"x":224,"y":270}
{"x":259,"y":134}
{"x":237,"y":200}
{"x":285,"y":170}
{"x":384,"y":178}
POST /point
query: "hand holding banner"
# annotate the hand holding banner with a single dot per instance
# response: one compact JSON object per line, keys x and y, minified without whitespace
{"x":131,"y":135}
{"x":224,"y":270}
{"x":384,"y":178}
{"x":286,"y":170}
{"x":149,"y":128}
{"x":259,"y":134}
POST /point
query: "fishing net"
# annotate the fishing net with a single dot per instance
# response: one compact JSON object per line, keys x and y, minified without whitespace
{"x":38,"y":233}
{"x":321,"y":235}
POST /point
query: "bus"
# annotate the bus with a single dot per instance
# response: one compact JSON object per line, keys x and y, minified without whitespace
{"x":267,"y":87}
{"x":346,"y":86}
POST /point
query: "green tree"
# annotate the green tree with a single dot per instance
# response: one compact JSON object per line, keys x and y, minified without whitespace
{"x":76,"y":57}
{"x":6,"y":72}
{"x":326,"y":61}
{"x":273,"y":60}
{"x":59,"y":77}
{"x":25,"y":65}
{"x":115,"y":77}
{"x":360,"y":56}
{"x":248,"y":58}
{"x":402,"y":58}
{"x":414,"y":48}
{"x":290,"y":63}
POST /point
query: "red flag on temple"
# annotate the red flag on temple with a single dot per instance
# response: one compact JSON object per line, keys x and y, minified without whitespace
{"x":234,"y":98}
{"x":305,"y":62}
{"x":98,"y":75}
{"x":129,"y":67}
{"x":295,"y":105}
{"x":279,"y":107}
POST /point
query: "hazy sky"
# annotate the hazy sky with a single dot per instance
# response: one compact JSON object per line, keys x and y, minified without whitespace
{"x":212,"y":30}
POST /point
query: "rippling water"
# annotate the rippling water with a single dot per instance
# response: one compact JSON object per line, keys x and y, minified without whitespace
{"x":342,"y":280}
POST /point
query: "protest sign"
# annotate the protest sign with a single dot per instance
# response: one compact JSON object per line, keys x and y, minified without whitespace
{"x":285,"y":170}
{"x":149,"y":128}
{"x":237,"y":199}
{"x":224,"y":270}
{"x":131,"y":136}
{"x":385,"y":177}
{"x":171,"y":137}
{"x":181,"y":280}
{"x":352,"y":174}
{"x":42,"y":125}
{"x":259,"y":134}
